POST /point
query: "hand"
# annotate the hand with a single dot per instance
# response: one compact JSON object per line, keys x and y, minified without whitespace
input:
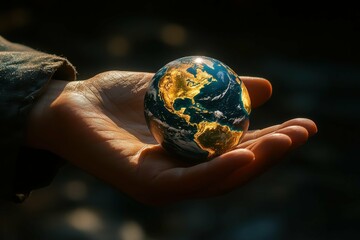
{"x":98,"y":125}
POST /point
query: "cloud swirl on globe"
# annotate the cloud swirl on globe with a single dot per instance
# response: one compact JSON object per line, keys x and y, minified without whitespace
{"x":197,"y":107}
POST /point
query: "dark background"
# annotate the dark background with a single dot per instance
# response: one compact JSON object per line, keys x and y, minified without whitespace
{"x":309,"y":53}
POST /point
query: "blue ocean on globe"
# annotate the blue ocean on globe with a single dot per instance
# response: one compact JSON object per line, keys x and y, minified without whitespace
{"x":197,"y":107}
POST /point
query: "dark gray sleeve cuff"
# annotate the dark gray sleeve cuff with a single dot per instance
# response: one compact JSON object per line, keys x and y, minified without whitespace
{"x":24,"y":75}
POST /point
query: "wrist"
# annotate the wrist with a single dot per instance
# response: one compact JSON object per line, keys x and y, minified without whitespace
{"x":41,"y":123}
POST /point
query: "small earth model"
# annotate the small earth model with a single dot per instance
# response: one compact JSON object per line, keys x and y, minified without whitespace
{"x":197,"y":107}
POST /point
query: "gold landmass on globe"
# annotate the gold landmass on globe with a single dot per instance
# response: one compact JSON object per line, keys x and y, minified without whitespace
{"x":178,"y":83}
{"x":245,"y":98}
{"x":215,"y":138}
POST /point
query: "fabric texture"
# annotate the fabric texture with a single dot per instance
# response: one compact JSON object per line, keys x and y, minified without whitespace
{"x":24,"y":75}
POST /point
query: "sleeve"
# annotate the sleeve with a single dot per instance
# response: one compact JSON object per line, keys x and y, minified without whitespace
{"x":24,"y":75}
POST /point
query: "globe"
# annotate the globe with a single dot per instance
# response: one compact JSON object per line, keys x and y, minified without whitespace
{"x":197,"y":107}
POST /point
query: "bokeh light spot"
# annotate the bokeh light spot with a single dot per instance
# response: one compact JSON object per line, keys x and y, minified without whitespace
{"x":131,"y":230}
{"x":173,"y":34}
{"x":118,"y":46}
{"x":85,"y":220}
{"x":14,"y":19}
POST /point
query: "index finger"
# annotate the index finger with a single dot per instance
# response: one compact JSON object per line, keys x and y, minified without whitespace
{"x":259,"y":89}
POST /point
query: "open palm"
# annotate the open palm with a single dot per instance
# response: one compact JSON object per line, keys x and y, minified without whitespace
{"x":98,"y":125}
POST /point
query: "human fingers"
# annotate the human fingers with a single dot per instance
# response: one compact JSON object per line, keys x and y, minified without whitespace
{"x":298,"y":135}
{"x":190,"y":180}
{"x":308,"y":124}
{"x":268,"y":149}
{"x":259,"y":89}
{"x":267,"y":152}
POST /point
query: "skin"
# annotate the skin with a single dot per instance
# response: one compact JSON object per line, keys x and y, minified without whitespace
{"x":98,"y":125}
